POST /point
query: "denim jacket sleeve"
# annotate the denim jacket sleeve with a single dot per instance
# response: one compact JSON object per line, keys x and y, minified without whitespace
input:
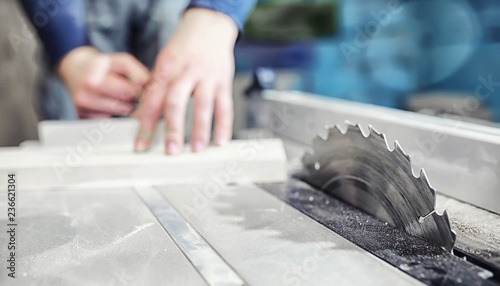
{"x":238,"y":10}
{"x":61,"y":25}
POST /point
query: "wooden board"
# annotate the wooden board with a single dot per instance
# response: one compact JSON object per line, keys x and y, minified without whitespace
{"x":86,"y":165}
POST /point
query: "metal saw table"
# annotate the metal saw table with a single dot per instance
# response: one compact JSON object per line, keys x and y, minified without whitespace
{"x":119,"y":229}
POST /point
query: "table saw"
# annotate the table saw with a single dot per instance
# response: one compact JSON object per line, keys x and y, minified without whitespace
{"x":315,"y":191}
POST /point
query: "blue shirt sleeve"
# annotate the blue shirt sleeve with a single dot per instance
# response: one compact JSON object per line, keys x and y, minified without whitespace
{"x":61,"y":25}
{"x":238,"y":10}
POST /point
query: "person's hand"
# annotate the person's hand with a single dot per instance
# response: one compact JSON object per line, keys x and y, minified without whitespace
{"x":197,"y":61}
{"x":102,"y":85}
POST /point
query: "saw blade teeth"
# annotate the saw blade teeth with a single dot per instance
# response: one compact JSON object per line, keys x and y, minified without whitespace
{"x":448,"y":238}
{"x":341,"y":128}
{"x":400,"y":150}
{"x":447,"y":220}
{"x":354,"y":127}
{"x":334,"y":131}
{"x":349,"y":123}
{"x":444,"y":215}
{"x":425,"y":180}
{"x":423,"y":176}
{"x":328,"y":127}
{"x":361,"y":129}
{"x":445,"y":237}
{"x":381,"y":136}
{"x":374,"y":132}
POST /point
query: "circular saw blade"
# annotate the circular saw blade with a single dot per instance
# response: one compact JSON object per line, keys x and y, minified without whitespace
{"x":362,"y":171}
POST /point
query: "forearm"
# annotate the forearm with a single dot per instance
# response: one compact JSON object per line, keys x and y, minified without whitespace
{"x":202,"y":23}
{"x":61,"y":26}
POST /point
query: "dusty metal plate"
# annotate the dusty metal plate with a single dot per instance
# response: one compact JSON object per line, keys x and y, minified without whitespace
{"x":268,"y":242}
{"x":91,"y":237}
{"x":478,"y":233}
{"x":208,"y":263}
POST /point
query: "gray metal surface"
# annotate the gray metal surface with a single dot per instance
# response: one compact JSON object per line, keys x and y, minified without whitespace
{"x":208,"y":263}
{"x":91,"y":237}
{"x":458,"y":156}
{"x":361,"y":170}
{"x":478,"y":232}
{"x":268,"y":242}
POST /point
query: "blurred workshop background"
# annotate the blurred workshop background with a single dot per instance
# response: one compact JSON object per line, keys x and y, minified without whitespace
{"x":435,"y":56}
